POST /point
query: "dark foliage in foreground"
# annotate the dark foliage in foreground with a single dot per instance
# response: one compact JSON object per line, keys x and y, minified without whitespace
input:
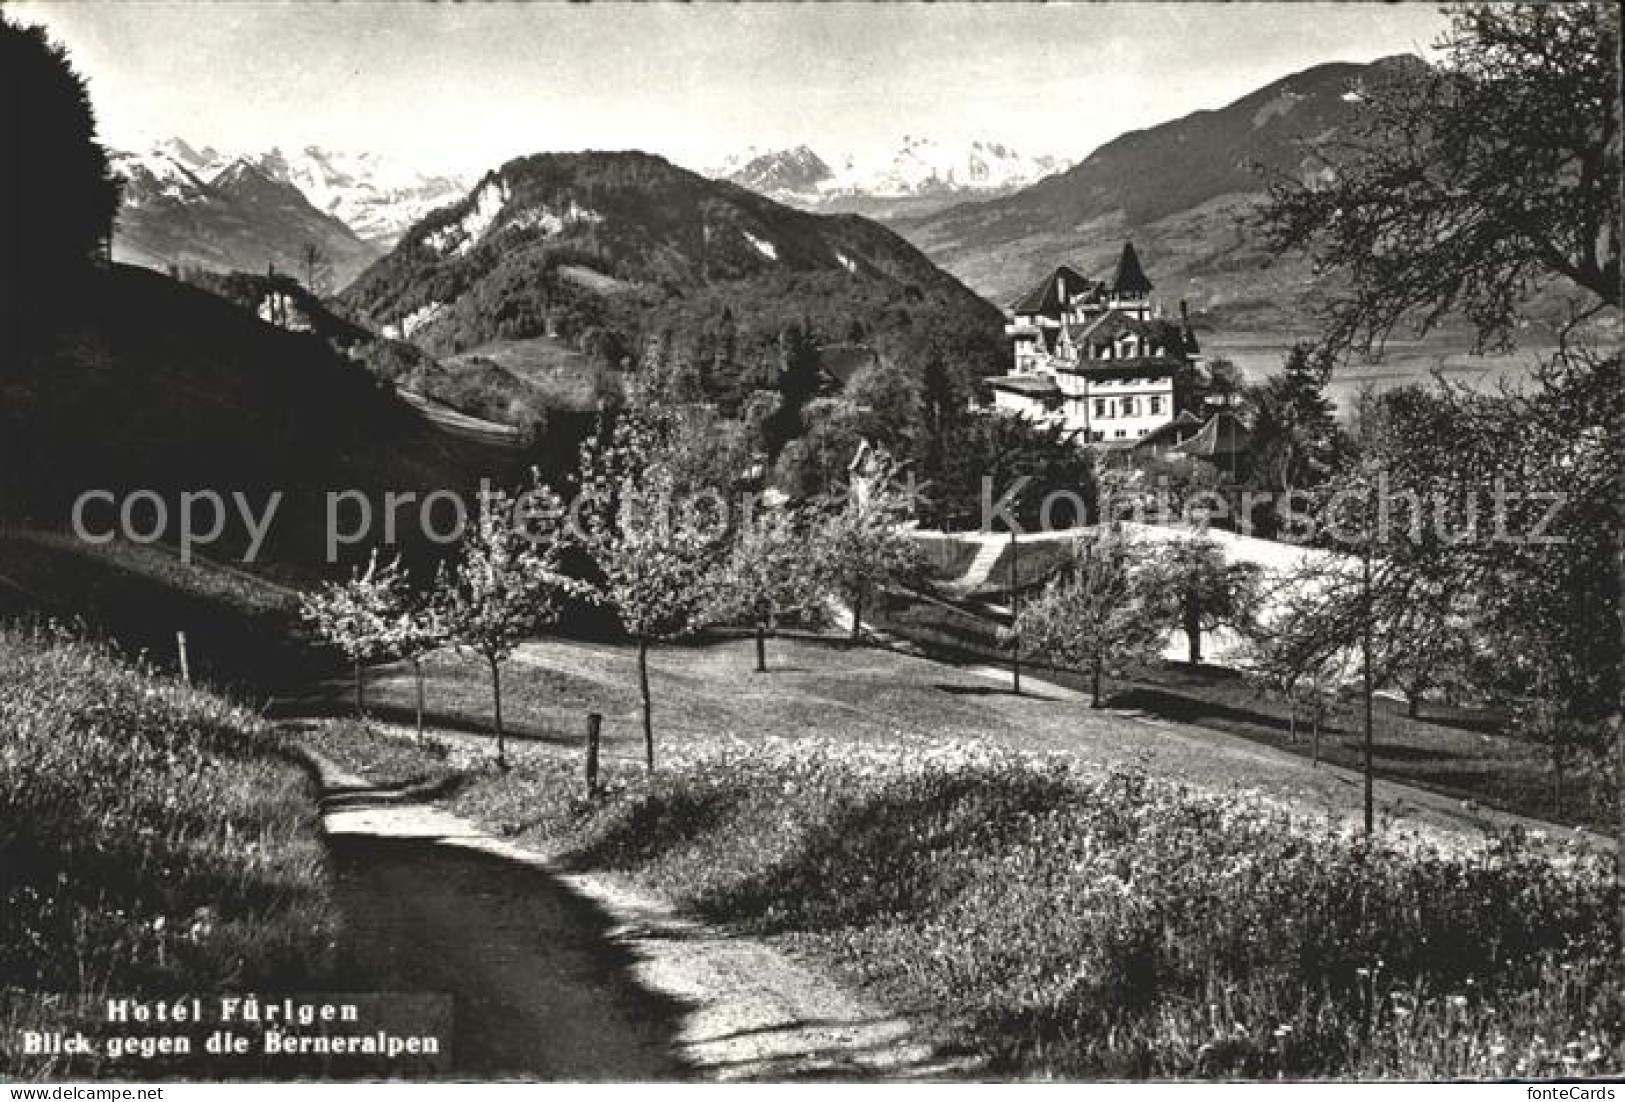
{"x":1419,"y":209}
{"x":57,"y":194}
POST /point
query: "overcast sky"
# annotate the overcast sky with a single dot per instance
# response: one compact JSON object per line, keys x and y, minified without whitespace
{"x":467,"y":86}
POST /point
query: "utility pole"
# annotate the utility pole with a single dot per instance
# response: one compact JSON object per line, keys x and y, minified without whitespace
{"x":595,"y":726}
{"x":1015,"y":611}
{"x":1365,"y":655}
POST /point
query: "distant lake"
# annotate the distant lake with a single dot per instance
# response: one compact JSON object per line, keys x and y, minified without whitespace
{"x":1405,"y":362}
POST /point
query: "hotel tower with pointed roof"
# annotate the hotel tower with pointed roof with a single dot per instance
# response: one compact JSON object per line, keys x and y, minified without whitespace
{"x":1094,"y":354}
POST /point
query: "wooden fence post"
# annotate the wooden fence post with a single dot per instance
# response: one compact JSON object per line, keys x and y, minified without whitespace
{"x":595,"y":723}
{"x":186,"y":666}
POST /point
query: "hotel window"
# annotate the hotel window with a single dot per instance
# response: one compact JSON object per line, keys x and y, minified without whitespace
{"x":1156,"y":404}
{"x":1103,"y":408}
{"x":1128,"y":407}
{"x":1120,"y":433}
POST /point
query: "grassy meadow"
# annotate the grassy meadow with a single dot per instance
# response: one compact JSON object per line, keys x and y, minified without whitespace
{"x":1053,"y":920}
{"x":155,"y":841}
{"x":1461,"y":752}
{"x":560,"y":376}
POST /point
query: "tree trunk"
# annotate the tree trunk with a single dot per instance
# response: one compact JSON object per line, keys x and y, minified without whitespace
{"x":761,"y":648}
{"x":1314,"y":733}
{"x":417,"y":676}
{"x":1015,"y":613}
{"x":496,"y":704}
{"x":857,"y":614}
{"x":1193,"y":629}
{"x":1368,"y":690}
{"x":1292,"y":721}
{"x":1094,"y":678}
{"x":1413,"y":705}
{"x":648,"y":713}
{"x":1557,"y":776}
{"x":595,"y":727}
{"x":360,"y":702}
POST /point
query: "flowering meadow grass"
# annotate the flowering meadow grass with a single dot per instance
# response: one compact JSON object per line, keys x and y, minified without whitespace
{"x":154,"y":841}
{"x":1062,"y":923}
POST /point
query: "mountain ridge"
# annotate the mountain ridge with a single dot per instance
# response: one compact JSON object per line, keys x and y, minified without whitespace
{"x":179,"y":201}
{"x":236,"y":218}
{"x":1180,"y":189}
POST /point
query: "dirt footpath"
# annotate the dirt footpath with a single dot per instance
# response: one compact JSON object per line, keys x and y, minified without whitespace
{"x":570,"y":977}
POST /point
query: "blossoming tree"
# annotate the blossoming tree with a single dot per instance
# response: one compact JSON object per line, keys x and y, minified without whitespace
{"x":359,"y":616}
{"x":770,"y":572}
{"x":1098,"y":614}
{"x":506,"y":583}
{"x":863,"y":544}
{"x":653,"y":537}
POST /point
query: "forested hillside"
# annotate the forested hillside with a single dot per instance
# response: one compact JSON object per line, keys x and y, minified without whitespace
{"x":608,"y":251}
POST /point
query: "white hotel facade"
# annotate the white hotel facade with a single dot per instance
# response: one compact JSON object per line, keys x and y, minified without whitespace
{"x":1094,"y":356}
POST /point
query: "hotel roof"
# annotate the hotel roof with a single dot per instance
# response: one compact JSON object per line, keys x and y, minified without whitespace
{"x":1046,"y":297}
{"x":1032,"y":386}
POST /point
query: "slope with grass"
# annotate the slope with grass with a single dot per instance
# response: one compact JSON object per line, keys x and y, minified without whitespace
{"x":559,"y":377}
{"x":1458,"y":754}
{"x":241,"y":625}
{"x":155,"y":841}
{"x":1060,"y":893}
{"x":705,"y":692}
{"x":162,"y":387}
{"x":1460,"y":751}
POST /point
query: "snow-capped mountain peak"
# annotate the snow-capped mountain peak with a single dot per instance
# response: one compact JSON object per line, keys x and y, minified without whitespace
{"x":377,"y":198}
{"x":237,"y":171}
{"x":250,"y":181}
{"x":924,"y":166}
{"x":188,"y":207}
{"x":918,"y":167}
{"x":156,"y":175}
{"x":204,"y":162}
{"x":798,"y":171}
